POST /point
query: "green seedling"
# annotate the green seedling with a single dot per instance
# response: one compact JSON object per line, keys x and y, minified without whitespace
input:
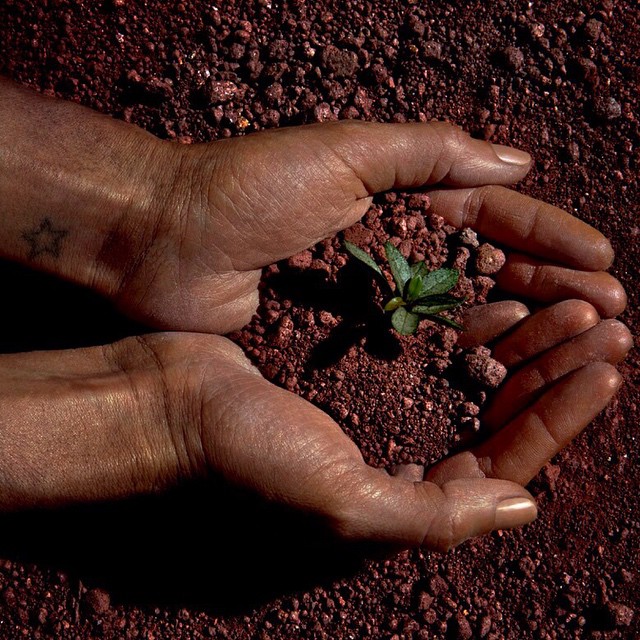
{"x":419,"y":292}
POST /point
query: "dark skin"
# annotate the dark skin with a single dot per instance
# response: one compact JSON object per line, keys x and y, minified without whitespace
{"x":176,"y":236}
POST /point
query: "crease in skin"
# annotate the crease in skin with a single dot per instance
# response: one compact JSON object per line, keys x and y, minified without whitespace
{"x":550,"y":283}
{"x":545,"y":329}
{"x":608,"y":342}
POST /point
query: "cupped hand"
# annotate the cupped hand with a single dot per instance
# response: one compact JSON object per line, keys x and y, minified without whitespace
{"x":236,"y":205}
{"x":173,"y":407}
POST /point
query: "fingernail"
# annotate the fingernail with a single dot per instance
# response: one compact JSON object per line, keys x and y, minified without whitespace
{"x":511,"y":155}
{"x":514,"y":512}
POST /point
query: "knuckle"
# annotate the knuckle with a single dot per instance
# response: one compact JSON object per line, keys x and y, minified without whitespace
{"x":447,"y":535}
{"x":344,"y":517}
{"x":345,"y":512}
{"x":539,"y":278}
{"x":448,"y":130}
{"x":452,"y":143}
{"x":473,"y":205}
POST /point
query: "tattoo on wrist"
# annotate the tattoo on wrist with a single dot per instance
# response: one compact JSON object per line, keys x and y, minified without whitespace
{"x":45,"y":239}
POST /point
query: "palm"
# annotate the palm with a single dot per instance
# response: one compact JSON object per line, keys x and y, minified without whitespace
{"x":238,"y":205}
{"x":296,"y":193}
{"x":292,"y":452}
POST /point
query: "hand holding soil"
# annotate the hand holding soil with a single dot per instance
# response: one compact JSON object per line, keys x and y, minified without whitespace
{"x":177,"y":237}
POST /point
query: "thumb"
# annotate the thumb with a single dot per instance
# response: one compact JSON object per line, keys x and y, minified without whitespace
{"x":409,"y":155}
{"x":397,"y":511}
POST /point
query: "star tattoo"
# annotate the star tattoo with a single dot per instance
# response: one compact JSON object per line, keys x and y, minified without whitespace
{"x":45,"y":239}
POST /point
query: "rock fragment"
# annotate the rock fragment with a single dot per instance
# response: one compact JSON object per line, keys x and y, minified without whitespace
{"x":341,"y":62}
{"x":619,"y":614}
{"x":98,"y":601}
{"x":482,"y":368}
{"x":489,"y":259}
{"x":513,"y":58}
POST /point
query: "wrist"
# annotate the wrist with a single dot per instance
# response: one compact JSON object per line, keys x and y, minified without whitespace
{"x":101,"y":423}
{"x":79,"y":190}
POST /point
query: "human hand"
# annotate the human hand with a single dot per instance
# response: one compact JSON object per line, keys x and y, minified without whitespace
{"x":148,"y":413}
{"x":177,"y":263}
{"x":176,"y":235}
{"x":243,"y":203}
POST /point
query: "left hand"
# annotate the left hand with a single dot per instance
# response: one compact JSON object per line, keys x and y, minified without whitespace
{"x":237,"y":205}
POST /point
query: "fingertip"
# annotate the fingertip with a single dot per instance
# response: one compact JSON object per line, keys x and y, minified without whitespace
{"x":607,"y":377}
{"x":624,"y":337}
{"x":584,"y":314}
{"x":603,"y":254}
{"x":473,"y":507}
{"x":487,"y":322}
{"x":515,"y":512}
{"x":512,"y":156}
{"x":614,"y":300}
{"x":617,"y":338}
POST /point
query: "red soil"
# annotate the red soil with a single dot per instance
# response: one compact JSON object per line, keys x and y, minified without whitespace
{"x":560,"y":80}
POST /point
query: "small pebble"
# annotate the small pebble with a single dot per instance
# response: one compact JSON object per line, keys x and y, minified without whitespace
{"x":621,"y":615}
{"x":514,"y":58}
{"x":489,"y":260}
{"x":469,"y":237}
{"x":301,"y":260}
{"x":341,"y":62}
{"x":482,"y":368}
{"x":98,"y":600}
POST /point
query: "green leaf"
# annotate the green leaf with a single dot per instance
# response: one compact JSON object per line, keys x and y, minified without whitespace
{"x":399,"y":266}
{"x":445,"y":298}
{"x":439,"y":281}
{"x":394,"y":303}
{"x":404,"y":322}
{"x":414,"y":287}
{"x":447,"y":321}
{"x":419,"y":269}
{"x":365,"y":258}
{"x":430,"y":309}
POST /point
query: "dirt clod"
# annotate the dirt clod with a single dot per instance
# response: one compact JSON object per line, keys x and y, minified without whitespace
{"x":489,"y":260}
{"x":483,"y":369}
{"x":98,"y":601}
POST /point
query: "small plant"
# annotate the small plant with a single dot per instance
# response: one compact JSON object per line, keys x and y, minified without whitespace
{"x":418,"y":292}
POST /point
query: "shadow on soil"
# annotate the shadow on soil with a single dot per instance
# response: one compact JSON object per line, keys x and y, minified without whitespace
{"x":205,"y":547}
{"x":352,"y":297}
{"x":210,"y":546}
{"x":43,"y":312}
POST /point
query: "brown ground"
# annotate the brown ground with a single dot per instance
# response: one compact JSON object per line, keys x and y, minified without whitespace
{"x":559,"y":80}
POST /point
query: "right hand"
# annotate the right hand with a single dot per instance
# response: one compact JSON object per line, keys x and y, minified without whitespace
{"x":168,"y":408}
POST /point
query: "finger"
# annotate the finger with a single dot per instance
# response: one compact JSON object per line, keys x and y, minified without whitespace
{"x":544,"y":330}
{"x":402,"y":156}
{"x":608,"y":341}
{"x":523,"y":447}
{"x":525,"y":224}
{"x":294,"y":453}
{"x":486,"y":322}
{"x":396,"y":511}
{"x":543,"y":282}
{"x":411,"y":472}
{"x":476,"y":507}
